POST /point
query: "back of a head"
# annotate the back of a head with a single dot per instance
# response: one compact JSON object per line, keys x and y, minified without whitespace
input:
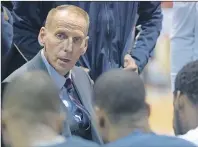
{"x":30,"y":100}
{"x":187,"y":81}
{"x":30,"y":96}
{"x":186,"y":99}
{"x":119,"y":92}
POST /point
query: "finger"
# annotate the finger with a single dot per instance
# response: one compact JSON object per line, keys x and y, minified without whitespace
{"x":127,"y":57}
{"x":131,"y":67}
{"x":128,"y":60}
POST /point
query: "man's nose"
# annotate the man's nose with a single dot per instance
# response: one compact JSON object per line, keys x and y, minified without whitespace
{"x":68,"y":45}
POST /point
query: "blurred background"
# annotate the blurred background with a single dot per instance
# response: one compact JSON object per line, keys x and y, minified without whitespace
{"x":157,"y":79}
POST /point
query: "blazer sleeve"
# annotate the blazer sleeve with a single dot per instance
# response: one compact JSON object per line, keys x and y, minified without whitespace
{"x":150,"y":19}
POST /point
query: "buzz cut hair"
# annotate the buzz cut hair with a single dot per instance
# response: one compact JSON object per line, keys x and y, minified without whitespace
{"x":119,"y":93}
{"x":187,"y":81}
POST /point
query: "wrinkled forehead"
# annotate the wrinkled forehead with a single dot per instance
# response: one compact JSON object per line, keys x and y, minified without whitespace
{"x":70,"y":21}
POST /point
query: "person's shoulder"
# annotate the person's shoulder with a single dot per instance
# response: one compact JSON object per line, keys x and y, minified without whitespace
{"x":11,"y":77}
{"x":16,"y":73}
{"x":29,"y":66}
{"x":151,"y":140}
{"x":75,"y":141}
{"x":80,"y":71}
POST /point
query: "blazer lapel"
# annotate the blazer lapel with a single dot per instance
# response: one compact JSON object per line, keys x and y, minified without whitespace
{"x":85,"y":96}
{"x":82,"y":91}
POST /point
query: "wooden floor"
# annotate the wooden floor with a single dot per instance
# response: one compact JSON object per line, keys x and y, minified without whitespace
{"x":161,"y":111}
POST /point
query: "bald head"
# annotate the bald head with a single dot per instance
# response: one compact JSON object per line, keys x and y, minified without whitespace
{"x":30,"y":97}
{"x":119,"y":92}
{"x":71,"y":10}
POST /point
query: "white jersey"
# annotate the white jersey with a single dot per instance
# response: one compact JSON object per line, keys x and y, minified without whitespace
{"x":191,"y":136}
{"x":184,"y":35}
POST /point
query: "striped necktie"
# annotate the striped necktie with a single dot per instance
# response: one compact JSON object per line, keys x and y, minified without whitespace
{"x":74,"y":98}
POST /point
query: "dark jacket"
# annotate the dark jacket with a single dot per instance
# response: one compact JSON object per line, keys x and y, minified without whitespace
{"x":7,"y":30}
{"x":110,"y":32}
{"x":7,"y":51}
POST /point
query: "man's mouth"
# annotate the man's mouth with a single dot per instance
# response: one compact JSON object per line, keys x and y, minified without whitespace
{"x":65,"y":60}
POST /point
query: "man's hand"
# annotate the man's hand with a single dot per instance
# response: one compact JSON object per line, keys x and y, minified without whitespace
{"x":129,"y":63}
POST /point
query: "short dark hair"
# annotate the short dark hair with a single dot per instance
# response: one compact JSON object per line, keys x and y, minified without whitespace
{"x":187,"y":81}
{"x":119,"y":92}
{"x":30,"y":96}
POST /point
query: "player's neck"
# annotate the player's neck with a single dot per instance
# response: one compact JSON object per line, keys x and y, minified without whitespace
{"x":124,"y":129}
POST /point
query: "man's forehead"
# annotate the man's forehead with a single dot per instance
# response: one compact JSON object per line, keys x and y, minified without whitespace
{"x":69,"y":20}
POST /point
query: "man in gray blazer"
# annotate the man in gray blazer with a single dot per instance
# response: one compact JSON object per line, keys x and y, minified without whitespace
{"x":33,"y":117}
{"x":64,"y":39}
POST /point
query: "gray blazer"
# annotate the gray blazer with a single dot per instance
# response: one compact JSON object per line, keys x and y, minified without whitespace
{"x":82,"y":82}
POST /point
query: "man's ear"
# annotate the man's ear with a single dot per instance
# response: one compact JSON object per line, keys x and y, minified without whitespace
{"x":179,"y":100}
{"x":101,"y":117}
{"x":148,"y":108}
{"x":41,"y":36}
{"x":85,"y":45}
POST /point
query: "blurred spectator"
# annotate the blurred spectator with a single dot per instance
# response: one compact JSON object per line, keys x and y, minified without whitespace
{"x":111,"y":32}
{"x":7,"y":4}
{"x":186,"y":102}
{"x":6,"y":37}
{"x":32,"y":114}
{"x":65,"y":40}
{"x":122,"y":111}
{"x":11,"y":58}
{"x":184,"y":36}
{"x":7,"y":30}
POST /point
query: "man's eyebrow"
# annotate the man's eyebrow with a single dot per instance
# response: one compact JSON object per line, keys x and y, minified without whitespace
{"x":64,"y":30}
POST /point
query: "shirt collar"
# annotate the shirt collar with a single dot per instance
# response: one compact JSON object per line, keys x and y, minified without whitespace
{"x":58,"y":78}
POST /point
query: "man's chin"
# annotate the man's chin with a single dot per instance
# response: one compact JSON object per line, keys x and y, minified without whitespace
{"x":178,"y":130}
{"x":62,"y":71}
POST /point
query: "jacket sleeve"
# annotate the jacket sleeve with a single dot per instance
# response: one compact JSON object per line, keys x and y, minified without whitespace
{"x":150,"y":19}
{"x":7,"y":30}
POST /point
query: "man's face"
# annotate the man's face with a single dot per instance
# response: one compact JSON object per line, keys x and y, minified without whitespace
{"x":64,"y":40}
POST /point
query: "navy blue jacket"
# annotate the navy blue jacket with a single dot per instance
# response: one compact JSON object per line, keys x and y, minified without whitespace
{"x":138,"y":139}
{"x":110,"y":32}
